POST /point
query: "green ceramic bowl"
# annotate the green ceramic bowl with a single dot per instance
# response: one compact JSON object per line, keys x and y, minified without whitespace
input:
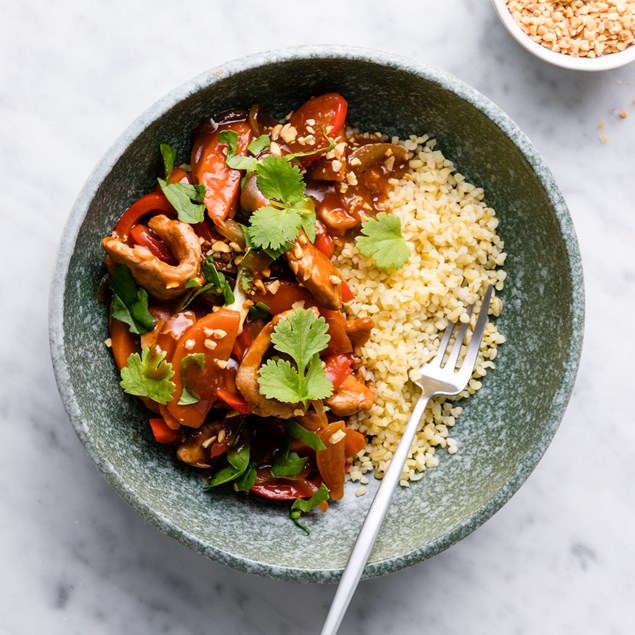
{"x":505,"y":428}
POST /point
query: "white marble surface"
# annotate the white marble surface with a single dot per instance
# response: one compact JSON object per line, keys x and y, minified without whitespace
{"x":559,"y":557}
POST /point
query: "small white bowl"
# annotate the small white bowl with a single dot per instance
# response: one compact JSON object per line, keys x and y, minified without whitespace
{"x":602,"y":63}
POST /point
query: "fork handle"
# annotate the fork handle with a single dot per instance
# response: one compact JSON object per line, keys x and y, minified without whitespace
{"x":374,"y":519}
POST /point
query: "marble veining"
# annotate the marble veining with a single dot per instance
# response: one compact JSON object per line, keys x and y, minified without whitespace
{"x":558,"y":558}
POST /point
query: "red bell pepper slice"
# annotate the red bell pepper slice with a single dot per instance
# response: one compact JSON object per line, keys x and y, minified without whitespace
{"x":152,"y":202}
{"x":283,"y":488}
{"x":285,"y":297}
{"x":347,"y":294}
{"x":337,"y":368}
{"x":162,"y":433}
{"x":328,"y":114}
{"x":234,"y":401}
{"x":324,"y":243}
{"x":141,"y":235}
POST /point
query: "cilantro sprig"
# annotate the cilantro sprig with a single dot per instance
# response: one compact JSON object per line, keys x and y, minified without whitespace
{"x":383,"y":242}
{"x":148,"y":375}
{"x":130,"y":302}
{"x":301,"y":336}
{"x":274,"y":227}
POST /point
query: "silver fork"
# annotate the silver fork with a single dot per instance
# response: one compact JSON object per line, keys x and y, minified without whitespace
{"x":437,"y":378}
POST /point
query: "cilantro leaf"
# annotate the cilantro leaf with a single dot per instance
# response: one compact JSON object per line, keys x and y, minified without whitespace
{"x":308,"y":437}
{"x":186,"y":200}
{"x":130,"y":303}
{"x":383,"y":242}
{"x":305,"y":505}
{"x":148,"y":375}
{"x":280,"y":180}
{"x":169,"y":154}
{"x":317,"y":385}
{"x":302,"y":336}
{"x":273,"y":228}
{"x":287,"y":463}
{"x":279,"y":380}
{"x":259,"y":144}
{"x":218,"y":280}
{"x":238,"y":463}
{"x":187,"y":398}
{"x":309,"y":225}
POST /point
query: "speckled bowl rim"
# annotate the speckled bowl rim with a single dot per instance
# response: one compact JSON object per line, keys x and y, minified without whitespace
{"x":67,"y":246}
{"x":602,"y":63}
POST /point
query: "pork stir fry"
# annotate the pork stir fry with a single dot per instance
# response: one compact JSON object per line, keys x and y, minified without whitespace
{"x":228,"y":317}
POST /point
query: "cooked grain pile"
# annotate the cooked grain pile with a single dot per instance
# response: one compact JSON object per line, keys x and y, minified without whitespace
{"x":455,"y":252}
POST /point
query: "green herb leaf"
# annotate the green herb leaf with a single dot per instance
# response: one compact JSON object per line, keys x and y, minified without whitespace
{"x":302,"y":336}
{"x":287,"y":463}
{"x":325,"y":149}
{"x":130,"y":302}
{"x":197,"y":358}
{"x":278,"y":179}
{"x":148,"y":375}
{"x":383,"y":242}
{"x":218,"y":279}
{"x":186,"y":200}
{"x":309,"y":225}
{"x":259,"y":144}
{"x":238,"y":462}
{"x":239,"y":162}
{"x":169,"y":154}
{"x":259,"y":311}
{"x":299,"y":432}
{"x":279,"y":380}
{"x":273,"y":228}
{"x":305,"y":505}
{"x":193,"y":283}
{"x":187,"y":398}
{"x":229,"y":137}
{"x":245,"y":482}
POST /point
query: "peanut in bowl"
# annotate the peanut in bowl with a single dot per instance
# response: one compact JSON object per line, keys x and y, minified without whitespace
{"x":585,"y":36}
{"x":500,"y":432}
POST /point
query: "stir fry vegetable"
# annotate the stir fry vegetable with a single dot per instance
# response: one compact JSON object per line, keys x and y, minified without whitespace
{"x":228,"y":316}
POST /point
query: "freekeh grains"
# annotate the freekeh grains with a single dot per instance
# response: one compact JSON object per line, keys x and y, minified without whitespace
{"x":454,"y":253}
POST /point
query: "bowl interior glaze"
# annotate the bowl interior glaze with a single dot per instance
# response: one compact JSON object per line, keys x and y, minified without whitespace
{"x":505,"y":428}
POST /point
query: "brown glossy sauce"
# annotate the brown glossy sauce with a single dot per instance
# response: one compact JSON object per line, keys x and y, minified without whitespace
{"x":343,"y":207}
